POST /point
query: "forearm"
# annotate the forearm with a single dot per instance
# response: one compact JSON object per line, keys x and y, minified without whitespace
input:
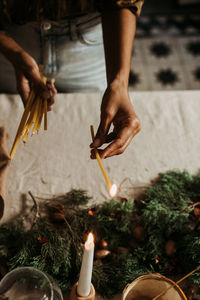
{"x":4,"y":163}
{"x":118,"y":34}
{"x":10,"y":49}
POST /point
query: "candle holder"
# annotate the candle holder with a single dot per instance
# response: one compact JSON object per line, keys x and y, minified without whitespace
{"x":75,"y":296}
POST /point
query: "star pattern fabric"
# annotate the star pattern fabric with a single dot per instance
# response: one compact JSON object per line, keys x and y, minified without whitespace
{"x":166,"y":53}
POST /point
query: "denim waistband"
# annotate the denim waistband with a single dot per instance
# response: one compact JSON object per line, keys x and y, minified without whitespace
{"x":72,"y":29}
{"x":77,"y":65}
{"x":49,"y":33}
{"x":70,"y":26}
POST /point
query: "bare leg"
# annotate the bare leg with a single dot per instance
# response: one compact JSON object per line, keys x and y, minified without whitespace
{"x":4,"y":162}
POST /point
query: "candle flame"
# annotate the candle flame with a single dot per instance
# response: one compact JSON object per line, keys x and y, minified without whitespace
{"x":113,"y":190}
{"x":90,"y":238}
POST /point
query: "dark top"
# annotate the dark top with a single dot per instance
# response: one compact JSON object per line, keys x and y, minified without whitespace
{"x":24,"y":11}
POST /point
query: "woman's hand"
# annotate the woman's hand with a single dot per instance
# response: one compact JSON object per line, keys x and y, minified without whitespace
{"x":4,"y":163}
{"x":116,"y":108}
{"x":118,"y":36}
{"x":26,"y":69}
{"x":28,"y":75}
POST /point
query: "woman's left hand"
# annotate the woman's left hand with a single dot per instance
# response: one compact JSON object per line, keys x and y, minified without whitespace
{"x":28,"y":75}
{"x":116,"y":108}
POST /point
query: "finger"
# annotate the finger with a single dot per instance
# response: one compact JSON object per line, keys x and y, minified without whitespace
{"x":53,"y":93}
{"x":123,"y":148}
{"x":93,"y":153}
{"x":3,"y":136}
{"x":45,"y":93}
{"x":121,"y":141}
{"x":102,"y":132}
{"x":49,"y":108}
{"x":51,"y":101}
{"x":52,"y":88}
{"x":110,"y":137}
{"x":3,"y":151}
{"x":119,"y":145}
{"x":34,"y":77}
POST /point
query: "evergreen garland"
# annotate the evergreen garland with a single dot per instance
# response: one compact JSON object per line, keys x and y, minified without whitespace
{"x":159,"y":233}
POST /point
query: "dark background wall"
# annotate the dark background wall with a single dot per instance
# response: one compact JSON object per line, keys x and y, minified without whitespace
{"x":169,"y":6}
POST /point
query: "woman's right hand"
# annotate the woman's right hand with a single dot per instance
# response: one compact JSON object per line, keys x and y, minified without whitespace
{"x":28,"y":75}
{"x":26,"y":70}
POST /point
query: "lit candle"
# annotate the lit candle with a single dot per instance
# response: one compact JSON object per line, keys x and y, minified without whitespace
{"x":112,"y":188}
{"x":84,"y":283}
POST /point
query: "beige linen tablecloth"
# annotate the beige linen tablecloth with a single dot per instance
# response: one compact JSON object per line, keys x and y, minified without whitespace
{"x":56,"y":161}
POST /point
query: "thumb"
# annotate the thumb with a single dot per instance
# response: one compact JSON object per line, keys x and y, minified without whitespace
{"x":102,"y":132}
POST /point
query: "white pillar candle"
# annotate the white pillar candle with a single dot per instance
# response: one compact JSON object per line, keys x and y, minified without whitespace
{"x":84,"y":283}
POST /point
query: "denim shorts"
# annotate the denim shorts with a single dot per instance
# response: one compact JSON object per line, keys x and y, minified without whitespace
{"x":71,"y":51}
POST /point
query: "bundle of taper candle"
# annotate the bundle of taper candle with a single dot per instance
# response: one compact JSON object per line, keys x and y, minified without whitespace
{"x":35,"y":109}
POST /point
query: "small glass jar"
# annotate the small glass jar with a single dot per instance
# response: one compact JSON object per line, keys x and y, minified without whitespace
{"x":27,"y":283}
